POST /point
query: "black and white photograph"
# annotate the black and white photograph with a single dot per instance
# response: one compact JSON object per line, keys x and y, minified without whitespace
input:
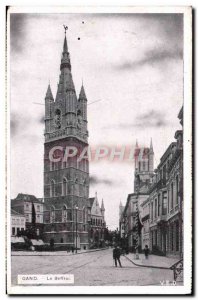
{"x":99,"y":181}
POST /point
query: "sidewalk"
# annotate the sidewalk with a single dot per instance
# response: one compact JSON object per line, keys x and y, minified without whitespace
{"x":53,"y":253}
{"x":154,"y":261}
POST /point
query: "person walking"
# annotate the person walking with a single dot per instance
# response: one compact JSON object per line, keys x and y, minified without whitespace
{"x":146,"y":251}
{"x":116,"y":256}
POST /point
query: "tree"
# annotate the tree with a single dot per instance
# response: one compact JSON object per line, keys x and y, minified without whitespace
{"x":33,"y":214}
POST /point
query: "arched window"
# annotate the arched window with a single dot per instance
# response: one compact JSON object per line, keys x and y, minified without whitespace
{"x":52,"y":214}
{"x":52,"y":188}
{"x":64,"y":187}
{"x":64,"y":214}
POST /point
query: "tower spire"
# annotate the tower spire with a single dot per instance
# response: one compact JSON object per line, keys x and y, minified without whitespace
{"x":151,"y":146}
{"x":102,"y":206}
{"x":65,"y":79}
{"x":82,"y":95}
{"x":65,"y":47}
{"x":49,"y":93}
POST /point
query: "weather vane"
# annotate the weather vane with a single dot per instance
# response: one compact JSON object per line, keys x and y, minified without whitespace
{"x":66,"y":28}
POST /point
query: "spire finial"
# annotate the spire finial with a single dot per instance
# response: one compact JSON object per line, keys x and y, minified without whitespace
{"x":66,"y":28}
{"x":82,"y":81}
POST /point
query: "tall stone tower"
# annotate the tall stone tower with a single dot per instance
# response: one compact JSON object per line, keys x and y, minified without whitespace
{"x":144,"y":167}
{"x":66,"y":178}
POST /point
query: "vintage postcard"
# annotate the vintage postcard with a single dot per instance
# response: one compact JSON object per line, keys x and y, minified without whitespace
{"x":99,"y":182}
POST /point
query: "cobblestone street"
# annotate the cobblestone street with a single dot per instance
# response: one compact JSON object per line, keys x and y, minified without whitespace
{"x":94,"y":268}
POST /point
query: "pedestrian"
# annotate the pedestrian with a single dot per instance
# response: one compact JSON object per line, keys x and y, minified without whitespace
{"x":72,"y":249}
{"x":116,"y":255}
{"x":146,"y":251}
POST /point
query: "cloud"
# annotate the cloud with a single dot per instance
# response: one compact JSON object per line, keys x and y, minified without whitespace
{"x":151,"y":119}
{"x":94,"y":180}
{"x":151,"y":57}
{"x":21,"y":125}
{"x":17,"y":31}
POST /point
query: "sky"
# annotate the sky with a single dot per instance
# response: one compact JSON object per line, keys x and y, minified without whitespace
{"x":133,"y":63}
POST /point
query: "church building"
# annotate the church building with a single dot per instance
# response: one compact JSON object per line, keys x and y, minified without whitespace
{"x":66,"y":181}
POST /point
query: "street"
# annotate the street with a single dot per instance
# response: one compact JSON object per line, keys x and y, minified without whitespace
{"x":94,"y":268}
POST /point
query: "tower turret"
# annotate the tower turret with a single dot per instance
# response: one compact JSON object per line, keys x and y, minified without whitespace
{"x":103,"y":210}
{"x":82,"y":111}
{"x":49,"y":107}
{"x":136,"y":155}
{"x":151,"y":157}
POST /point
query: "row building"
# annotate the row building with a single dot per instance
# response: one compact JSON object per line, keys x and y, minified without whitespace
{"x":157,"y":199}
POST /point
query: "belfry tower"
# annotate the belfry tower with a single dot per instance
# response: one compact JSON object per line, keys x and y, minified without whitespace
{"x":66,"y":178}
{"x":144,"y":167}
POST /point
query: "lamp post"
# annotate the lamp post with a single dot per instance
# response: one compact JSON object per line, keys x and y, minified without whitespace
{"x":76,"y":226}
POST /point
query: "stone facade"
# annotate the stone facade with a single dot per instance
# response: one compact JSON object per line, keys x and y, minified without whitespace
{"x":97,"y":224}
{"x":144,"y":165}
{"x":17,"y":223}
{"x":159,"y":196}
{"x":145,"y":218}
{"x":22,"y":204}
{"x":166,"y":201}
{"x":66,"y":176}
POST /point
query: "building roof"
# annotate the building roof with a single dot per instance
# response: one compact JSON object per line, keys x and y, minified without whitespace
{"x":166,"y":153}
{"x":49,"y":93}
{"x":82,"y":94}
{"x":102,"y":205}
{"x":26,"y":198}
{"x":15,"y":213}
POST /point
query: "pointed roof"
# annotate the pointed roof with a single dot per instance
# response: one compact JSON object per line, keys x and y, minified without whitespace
{"x":49,"y":93}
{"x":65,"y":47}
{"x":102,"y":205}
{"x":151,"y":146}
{"x":82,"y":94}
{"x":65,"y":79}
{"x":65,"y":60}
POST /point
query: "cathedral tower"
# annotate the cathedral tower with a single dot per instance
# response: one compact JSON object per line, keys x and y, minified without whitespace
{"x":144,"y":166}
{"x":66,"y":177}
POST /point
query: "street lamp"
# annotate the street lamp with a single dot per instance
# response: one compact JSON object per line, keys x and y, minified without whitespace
{"x":76,"y":226}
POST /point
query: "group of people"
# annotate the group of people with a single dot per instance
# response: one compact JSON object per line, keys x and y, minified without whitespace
{"x":117,"y":253}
